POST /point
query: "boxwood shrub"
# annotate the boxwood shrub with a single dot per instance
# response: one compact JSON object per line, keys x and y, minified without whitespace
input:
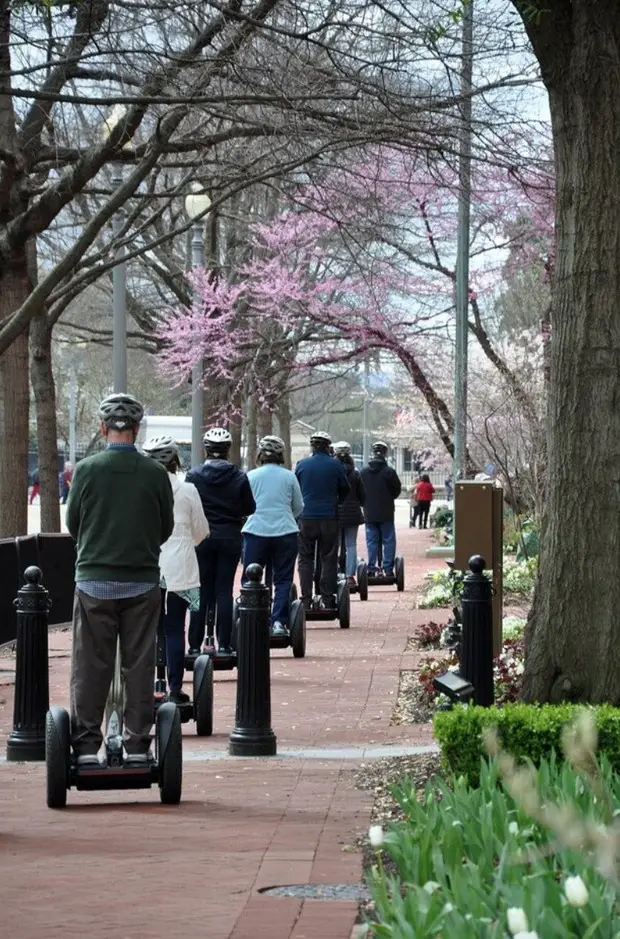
{"x":526,"y":731}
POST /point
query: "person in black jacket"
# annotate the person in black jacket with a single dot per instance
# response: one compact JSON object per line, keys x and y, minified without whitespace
{"x":227,"y":500}
{"x":382,"y":487}
{"x":350,"y":511}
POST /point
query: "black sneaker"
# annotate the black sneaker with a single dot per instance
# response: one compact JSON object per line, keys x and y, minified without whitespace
{"x":138,"y":760}
{"x":194,"y":652}
{"x":178,"y":697}
{"x":225,"y":651}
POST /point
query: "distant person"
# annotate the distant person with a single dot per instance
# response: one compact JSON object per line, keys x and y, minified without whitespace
{"x":227,"y":501}
{"x":120,"y":512}
{"x":324,"y":486}
{"x":180,"y":576}
{"x":449,"y":487}
{"x":382,"y":487}
{"x":350,"y":515}
{"x":414,"y":509}
{"x":425,"y":492}
{"x":36,"y":486}
{"x":271,"y":533}
{"x":66,"y":478}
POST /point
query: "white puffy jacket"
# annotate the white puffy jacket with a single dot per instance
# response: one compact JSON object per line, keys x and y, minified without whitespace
{"x":178,"y":561}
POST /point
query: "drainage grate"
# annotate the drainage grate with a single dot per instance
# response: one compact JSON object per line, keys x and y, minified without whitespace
{"x":319,"y":891}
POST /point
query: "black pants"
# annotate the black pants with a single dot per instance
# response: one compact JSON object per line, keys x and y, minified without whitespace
{"x":325,"y":532}
{"x":217,"y":560}
{"x":423,"y":510}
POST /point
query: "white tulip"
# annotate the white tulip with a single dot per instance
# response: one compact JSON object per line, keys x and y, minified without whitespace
{"x":517,"y":920}
{"x":576,"y":891}
{"x":375,"y":835}
{"x":513,"y":828}
{"x":431,"y":886}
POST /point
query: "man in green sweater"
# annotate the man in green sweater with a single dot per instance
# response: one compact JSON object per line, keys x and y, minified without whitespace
{"x":120,"y":512}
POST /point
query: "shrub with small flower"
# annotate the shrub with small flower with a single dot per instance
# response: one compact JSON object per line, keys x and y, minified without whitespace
{"x":527,"y":854}
{"x":508,"y":671}
{"x":429,"y":634}
{"x":430,"y":670}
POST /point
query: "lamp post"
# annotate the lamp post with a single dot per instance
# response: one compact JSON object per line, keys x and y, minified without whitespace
{"x":366,"y":440}
{"x":197,"y":204}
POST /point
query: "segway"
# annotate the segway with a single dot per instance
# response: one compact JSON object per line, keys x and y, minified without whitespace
{"x":220,"y":663}
{"x":200,"y":709}
{"x":296,"y":637}
{"x":63,"y":772}
{"x":361,"y":587}
{"x":342,"y":610}
{"x":381,"y":579}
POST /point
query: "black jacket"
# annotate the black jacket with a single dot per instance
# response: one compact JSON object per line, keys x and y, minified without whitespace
{"x":226,"y":497}
{"x":382,"y":487}
{"x":350,"y":510}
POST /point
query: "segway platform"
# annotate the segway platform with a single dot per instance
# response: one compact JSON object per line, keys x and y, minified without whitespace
{"x":381,"y":579}
{"x":165,"y":770}
{"x":341,"y":612}
{"x":220,"y":663}
{"x":361,"y":585}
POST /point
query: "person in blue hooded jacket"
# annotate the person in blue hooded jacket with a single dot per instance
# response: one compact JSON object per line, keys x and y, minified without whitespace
{"x":227,"y":500}
{"x":324,"y":485}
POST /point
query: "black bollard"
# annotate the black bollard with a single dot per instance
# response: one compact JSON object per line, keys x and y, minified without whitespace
{"x":26,"y":742}
{"x":253,"y":735}
{"x":476,"y":661}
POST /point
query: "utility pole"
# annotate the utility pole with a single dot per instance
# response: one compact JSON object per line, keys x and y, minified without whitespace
{"x":72,"y":413}
{"x":198,"y":247}
{"x":462,"y":250}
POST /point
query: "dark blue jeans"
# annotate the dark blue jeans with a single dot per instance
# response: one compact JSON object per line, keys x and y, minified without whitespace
{"x":386,"y":533}
{"x":174,"y":631}
{"x":279,"y":554}
{"x":217,"y":560}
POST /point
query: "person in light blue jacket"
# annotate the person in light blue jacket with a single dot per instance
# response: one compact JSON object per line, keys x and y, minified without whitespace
{"x":270,"y":535}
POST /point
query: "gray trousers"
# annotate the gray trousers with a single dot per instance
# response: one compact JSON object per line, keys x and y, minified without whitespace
{"x":96,"y":626}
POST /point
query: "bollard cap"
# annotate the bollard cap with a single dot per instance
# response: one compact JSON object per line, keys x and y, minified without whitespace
{"x":254,"y":573}
{"x":33,"y":575}
{"x":477,"y":564}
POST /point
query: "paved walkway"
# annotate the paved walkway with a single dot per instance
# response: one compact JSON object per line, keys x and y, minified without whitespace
{"x":121,"y":865}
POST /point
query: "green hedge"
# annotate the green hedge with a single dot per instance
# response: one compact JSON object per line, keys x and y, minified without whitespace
{"x":526,"y":731}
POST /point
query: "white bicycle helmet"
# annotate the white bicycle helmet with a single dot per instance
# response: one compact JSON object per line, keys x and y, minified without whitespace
{"x":342,"y":448}
{"x":217,"y":437}
{"x":163,"y":449}
{"x":271,"y":444}
{"x":321,"y":439}
{"x":380,"y":448}
{"x":121,"y":411}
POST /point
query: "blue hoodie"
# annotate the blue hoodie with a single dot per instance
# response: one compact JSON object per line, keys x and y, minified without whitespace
{"x":226,"y":497}
{"x":324,"y":485}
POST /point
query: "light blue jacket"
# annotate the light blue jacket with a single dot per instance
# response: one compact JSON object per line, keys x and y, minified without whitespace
{"x":278,"y":502}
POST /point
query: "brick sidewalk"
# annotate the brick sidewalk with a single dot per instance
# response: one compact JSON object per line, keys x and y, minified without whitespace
{"x":121,"y":865}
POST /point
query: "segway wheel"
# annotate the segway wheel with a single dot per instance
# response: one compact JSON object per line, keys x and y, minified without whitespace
{"x":298,"y":629}
{"x":362,"y":580}
{"x":344,"y":608}
{"x":170,"y":753}
{"x":293,"y":594}
{"x":399,"y":570}
{"x":57,"y":756}
{"x":203,"y":695}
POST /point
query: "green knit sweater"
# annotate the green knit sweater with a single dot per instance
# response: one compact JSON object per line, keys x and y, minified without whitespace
{"x":120,"y":512}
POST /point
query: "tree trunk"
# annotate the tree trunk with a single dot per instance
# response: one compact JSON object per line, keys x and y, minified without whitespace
{"x":252,"y":431}
{"x":47,"y":434}
{"x":265,"y":422}
{"x":234,"y":426}
{"x":284,"y":424}
{"x":573,"y":651}
{"x":15,"y":397}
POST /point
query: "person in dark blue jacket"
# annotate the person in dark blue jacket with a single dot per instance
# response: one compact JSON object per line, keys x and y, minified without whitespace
{"x":227,"y":500}
{"x":324,"y":485}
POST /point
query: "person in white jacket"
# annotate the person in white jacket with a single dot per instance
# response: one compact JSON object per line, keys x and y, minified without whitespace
{"x":180,"y":577}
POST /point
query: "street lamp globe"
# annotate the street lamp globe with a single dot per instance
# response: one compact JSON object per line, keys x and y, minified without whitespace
{"x":197,"y":204}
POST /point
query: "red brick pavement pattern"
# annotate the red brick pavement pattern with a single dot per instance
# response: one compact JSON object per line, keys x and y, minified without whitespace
{"x":123,"y":866}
